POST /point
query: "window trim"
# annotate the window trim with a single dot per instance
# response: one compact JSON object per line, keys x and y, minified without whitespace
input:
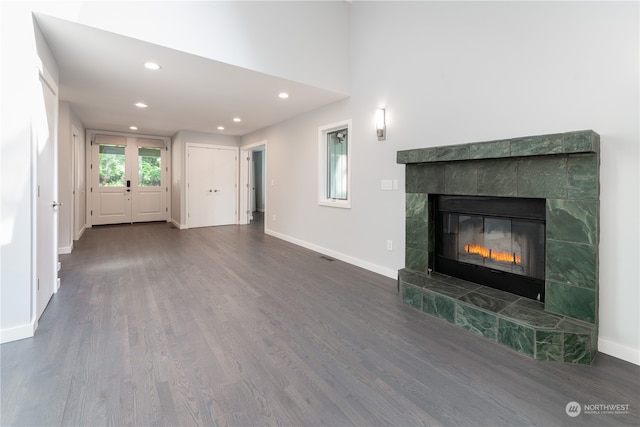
{"x":323,"y":200}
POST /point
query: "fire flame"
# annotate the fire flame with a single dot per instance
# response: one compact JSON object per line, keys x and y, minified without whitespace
{"x":494,"y":255}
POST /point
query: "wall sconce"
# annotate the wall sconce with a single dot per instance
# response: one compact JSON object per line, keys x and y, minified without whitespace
{"x":381,"y":126}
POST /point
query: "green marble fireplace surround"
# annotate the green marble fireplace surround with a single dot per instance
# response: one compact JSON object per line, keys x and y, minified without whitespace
{"x":561,"y":168}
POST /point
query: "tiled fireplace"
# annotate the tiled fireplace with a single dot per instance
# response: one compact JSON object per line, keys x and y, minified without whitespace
{"x":562,"y":172}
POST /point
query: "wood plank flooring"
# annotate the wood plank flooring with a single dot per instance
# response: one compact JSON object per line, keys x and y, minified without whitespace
{"x":229,"y":326}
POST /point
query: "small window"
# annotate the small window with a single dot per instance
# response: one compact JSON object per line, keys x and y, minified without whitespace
{"x":111,"y":165}
{"x":149,"y":168}
{"x":334,"y":146}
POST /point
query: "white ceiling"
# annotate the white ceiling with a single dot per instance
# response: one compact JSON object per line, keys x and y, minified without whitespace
{"x":102,"y":76}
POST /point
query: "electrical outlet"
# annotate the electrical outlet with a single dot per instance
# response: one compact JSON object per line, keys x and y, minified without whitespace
{"x":389,"y":245}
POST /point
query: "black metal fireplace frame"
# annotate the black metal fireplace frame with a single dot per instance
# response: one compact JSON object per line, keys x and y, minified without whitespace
{"x":503,"y":207}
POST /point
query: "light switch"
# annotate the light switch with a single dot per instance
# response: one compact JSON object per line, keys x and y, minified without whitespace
{"x":386,"y":185}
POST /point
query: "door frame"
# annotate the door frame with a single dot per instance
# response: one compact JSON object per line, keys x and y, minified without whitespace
{"x":78,"y":186}
{"x":90,"y":135}
{"x":76,"y":162}
{"x":187,"y":145}
{"x":245,"y":179}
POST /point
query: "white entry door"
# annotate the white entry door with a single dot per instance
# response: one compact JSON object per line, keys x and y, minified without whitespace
{"x":47,"y":196}
{"x":148,"y":189}
{"x":128,"y":181}
{"x":212,"y":186}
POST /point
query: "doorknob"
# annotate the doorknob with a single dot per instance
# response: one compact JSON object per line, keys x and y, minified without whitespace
{"x":56,"y":204}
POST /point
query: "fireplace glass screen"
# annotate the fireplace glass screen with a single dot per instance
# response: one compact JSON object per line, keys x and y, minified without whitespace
{"x":504,"y":244}
{"x":494,"y":241}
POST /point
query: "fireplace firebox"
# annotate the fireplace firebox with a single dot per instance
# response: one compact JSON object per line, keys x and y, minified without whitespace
{"x":494,"y":241}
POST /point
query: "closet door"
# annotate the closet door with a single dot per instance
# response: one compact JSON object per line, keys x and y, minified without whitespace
{"x":211,"y":185}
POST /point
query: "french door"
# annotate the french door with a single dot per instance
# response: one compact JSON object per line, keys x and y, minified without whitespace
{"x":128,"y":180}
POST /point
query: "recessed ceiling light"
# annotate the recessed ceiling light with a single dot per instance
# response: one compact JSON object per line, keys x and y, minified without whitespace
{"x":237,"y":119}
{"x":220,"y":127}
{"x":133,"y":127}
{"x":141,"y":105}
{"x":283,"y":95}
{"x":152,"y":66}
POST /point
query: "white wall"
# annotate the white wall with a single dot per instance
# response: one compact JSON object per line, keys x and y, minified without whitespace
{"x":81,"y":188}
{"x":66,"y":120}
{"x":65,"y":179}
{"x":179,"y":165}
{"x":235,"y":32}
{"x":21,"y":43}
{"x":457,"y":72}
{"x":177,"y":178}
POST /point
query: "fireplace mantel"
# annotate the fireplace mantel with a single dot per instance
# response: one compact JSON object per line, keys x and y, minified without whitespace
{"x":561,"y":168}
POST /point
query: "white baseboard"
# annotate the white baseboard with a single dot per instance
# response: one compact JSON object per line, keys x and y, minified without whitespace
{"x":18,"y":333}
{"x":178,"y":225}
{"x":392,"y":274}
{"x":84,"y":227}
{"x":619,"y":351}
{"x":65,"y":250}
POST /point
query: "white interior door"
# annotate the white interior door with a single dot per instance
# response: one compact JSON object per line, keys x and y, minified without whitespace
{"x":225,"y":191}
{"x":128,"y":180}
{"x":211,"y":186}
{"x":47,"y":196}
{"x":199,"y":187}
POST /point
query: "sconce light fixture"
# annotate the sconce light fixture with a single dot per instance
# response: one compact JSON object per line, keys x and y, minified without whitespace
{"x":381,"y":126}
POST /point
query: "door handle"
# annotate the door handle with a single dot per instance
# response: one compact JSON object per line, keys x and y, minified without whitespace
{"x":56,"y":204}
{"x":128,"y":190}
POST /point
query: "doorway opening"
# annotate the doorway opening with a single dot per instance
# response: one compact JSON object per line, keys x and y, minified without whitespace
{"x":253,"y":188}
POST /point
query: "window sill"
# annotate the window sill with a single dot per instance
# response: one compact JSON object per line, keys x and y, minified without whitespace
{"x":333,"y":203}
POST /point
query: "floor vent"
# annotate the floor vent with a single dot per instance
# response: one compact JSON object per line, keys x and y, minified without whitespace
{"x":326,"y":258}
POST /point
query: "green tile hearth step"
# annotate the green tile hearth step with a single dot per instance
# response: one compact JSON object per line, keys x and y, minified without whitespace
{"x":516,"y":322}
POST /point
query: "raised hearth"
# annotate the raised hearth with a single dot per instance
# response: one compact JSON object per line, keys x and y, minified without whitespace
{"x":519,"y":323}
{"x":563,"y":170}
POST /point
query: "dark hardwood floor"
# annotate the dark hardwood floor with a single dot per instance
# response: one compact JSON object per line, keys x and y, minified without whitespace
{"x":229,"y":326}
